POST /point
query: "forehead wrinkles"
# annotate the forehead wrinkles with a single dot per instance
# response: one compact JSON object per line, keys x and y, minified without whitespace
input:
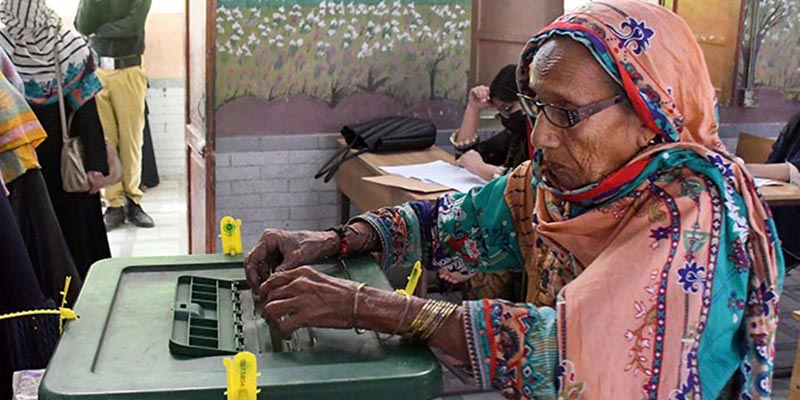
{"x":547,"y":59}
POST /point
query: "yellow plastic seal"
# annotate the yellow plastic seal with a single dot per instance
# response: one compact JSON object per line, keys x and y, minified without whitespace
{"x":231,"y":233}
{"x":413,"y":280}
{"x":242,"y":376}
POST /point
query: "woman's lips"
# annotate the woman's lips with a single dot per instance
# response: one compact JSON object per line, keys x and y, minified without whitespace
{"x":552,"y":170}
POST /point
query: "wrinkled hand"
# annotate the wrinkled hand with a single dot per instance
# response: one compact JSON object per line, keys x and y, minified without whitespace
{"x":96,"y":181}
{"x":279,"y":250}
{"x":474,"y":163}
{"x":303,"y":297}
{"x":479,"y":97}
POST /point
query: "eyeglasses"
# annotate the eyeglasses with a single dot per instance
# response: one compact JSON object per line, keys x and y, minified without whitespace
{"x":505,"y":111}
{"x":564,"y":117}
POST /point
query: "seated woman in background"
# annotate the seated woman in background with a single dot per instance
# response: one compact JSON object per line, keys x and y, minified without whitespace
{"x":492,"y":157}
{"x":783,"y":164}
{"x":652,"y":261}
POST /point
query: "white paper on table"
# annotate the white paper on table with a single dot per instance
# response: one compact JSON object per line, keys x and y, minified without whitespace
{"x":439,"y":172}
{"x":761,"y":182}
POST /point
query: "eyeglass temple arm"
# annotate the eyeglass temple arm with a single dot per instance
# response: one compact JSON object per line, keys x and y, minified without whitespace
{"x":594,"y":108}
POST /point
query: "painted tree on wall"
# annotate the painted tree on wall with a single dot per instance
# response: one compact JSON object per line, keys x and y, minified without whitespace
{"x":413,"y":51}
{"x":777,"y":44}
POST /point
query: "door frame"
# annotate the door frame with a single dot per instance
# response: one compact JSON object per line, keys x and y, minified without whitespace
{"x":197,"y":142}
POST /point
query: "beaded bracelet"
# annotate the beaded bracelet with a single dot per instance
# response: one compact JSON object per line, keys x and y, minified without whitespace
{"x":463,"y":143}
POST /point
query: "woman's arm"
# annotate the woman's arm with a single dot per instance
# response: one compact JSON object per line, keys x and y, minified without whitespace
{"x":458,"y":234}
{"x":780,"y":172}
{"x":466,"y":137}
{"x":473,"y":161}
{"x":483,"y":336}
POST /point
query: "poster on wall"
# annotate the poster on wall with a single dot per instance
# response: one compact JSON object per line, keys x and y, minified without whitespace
{"x":305,"y":66}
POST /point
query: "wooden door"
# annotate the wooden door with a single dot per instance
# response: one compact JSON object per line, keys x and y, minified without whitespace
{"x":200,"y":59}
{"x":500,"y":29}
{"x":715,"y":24}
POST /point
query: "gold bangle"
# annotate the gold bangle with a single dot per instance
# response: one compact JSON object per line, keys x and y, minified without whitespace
{"x":426,"y":331}
{"x":431,"y":318}
{"x":442,"y":318}
{"x":355,"y":307}
{"x":436,"y":320}
{"x":418,"y":322}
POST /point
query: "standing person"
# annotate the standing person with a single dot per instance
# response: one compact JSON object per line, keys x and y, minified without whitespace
{"x":116,"y":31}
{"x":25,"y":342}
{"x":20,"y":135}
{"x":31,"y":33}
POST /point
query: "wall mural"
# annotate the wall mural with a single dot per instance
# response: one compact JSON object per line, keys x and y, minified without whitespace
{"x":778,"y":46}
{"x":299,"y":66}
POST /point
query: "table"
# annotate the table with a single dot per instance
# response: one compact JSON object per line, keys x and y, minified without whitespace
{"x":781,"y":195}
{"x":368,"y":195}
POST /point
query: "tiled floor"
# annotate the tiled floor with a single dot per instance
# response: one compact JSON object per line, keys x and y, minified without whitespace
{"x":167,"y":205}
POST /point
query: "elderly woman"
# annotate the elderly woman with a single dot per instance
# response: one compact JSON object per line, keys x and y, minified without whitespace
{"x":651,"y":259}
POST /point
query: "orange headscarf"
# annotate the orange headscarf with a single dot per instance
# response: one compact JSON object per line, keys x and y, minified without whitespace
{"x":663,"y":70}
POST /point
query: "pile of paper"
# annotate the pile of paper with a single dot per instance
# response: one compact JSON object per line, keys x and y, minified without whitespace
{"x":440,"y":173}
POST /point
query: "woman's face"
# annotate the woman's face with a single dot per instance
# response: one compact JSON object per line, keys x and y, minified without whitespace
{"x":565,"y":74}
{"x":506,"y":108}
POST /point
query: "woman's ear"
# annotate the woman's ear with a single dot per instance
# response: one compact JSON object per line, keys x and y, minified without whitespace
{"x":645,"y":137}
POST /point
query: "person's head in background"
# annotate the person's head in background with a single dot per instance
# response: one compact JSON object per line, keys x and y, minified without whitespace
{"x":503,"y":94}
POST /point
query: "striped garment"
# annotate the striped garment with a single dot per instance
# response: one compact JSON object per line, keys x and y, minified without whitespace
{"x":30,"y":32}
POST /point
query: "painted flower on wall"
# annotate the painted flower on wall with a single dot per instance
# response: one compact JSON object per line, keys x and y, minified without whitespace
{"x":413,"y":51}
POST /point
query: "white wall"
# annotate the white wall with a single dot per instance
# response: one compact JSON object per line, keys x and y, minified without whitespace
{"x":68,"y":7}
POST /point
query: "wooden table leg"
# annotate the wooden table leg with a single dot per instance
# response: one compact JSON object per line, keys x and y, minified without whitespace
{"x":344,"y":211}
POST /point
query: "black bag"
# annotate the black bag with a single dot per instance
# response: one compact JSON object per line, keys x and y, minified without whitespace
{"x":380,"y":135}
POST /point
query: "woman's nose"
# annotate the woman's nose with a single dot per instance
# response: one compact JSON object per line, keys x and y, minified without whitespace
{"x":544,"y":134}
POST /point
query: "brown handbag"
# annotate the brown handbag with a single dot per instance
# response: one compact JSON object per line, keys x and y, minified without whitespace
{"x":73,"y":174}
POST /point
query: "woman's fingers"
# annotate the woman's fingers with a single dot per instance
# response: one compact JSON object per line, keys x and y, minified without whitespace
{"x":284,"y":315}
{"x":296,"y":287}
{"x":295,"y":281}
{"x":264,"y":256}
{"x":305,"y":297}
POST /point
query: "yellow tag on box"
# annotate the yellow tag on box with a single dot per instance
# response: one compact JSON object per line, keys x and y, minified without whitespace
{"x":242,"y":376}
{"x":231,"y":234}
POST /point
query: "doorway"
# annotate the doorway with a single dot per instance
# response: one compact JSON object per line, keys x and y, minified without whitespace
{"x":164,"y":156}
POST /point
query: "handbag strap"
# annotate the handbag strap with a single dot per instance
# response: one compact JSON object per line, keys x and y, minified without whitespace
{"x":60,"y":87}
{"x":332,"y":165}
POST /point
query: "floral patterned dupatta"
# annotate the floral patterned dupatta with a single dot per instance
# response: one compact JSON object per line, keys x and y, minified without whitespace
{"x":676,"y":273}
{"x":678,"y":284}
